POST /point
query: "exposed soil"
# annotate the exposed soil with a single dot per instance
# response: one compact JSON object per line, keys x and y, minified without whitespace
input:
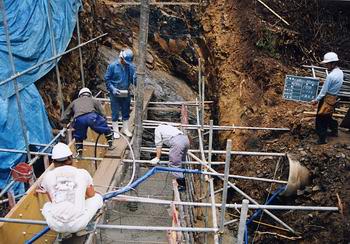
{"x":253,"y":52}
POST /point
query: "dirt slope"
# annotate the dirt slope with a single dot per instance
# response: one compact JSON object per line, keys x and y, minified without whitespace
{"x":252,"y":52}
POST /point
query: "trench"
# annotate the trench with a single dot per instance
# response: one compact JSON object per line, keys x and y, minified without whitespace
{"x":243,"y":83}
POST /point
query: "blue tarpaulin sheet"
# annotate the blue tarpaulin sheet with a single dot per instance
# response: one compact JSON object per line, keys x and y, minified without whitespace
{"x":30,"y":44}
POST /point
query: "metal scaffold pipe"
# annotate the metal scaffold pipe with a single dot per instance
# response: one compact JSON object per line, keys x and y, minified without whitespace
{"x":224,"y":193}
{"x":15,"y":84}
{"x":54,"y":53}
{"x":80,"y":51}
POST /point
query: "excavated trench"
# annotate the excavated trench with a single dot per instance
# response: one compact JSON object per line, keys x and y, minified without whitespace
{"x":244,"y":70}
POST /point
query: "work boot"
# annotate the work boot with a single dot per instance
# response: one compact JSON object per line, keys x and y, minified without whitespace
{"x":109,"y":138}
{"x":126,"y":128}
{"x":181,"y":184}
{"x":115,"y":130}
{"x":79,"y":150}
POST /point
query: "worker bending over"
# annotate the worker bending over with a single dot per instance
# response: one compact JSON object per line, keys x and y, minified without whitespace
{"x":327,"y":98}
{"x":87,"y":112}
{"x":119,"y":76}
{"x":73,"y":201}
{"x":178,"y":143}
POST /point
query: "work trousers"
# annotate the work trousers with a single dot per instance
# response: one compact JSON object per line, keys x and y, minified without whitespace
{"x":93,"y":120}
{"x":177,"y":154}
{"x":91,"y":206}
{"x":325,"y":122}
{"x":120,"y":104}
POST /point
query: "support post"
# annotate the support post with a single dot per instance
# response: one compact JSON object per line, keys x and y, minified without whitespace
{"x":224,"y":193}
{"x":15,"y":84}
{"x":210,"y":142}
{"x":80,"y":52}
{"x":202,"y":102}
{"x":213,"y":210}
{"x":242,"y":221}
{"x":54,"y":53}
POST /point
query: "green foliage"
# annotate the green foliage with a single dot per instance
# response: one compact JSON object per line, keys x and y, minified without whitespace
{"x":268,"y":42}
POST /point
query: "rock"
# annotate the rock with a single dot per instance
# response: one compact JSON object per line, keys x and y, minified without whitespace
{"x":300,"y":192}
{"x":149,"y":58}
{"x":303,"y":153}
{"x":316,"y":188}
{"x":308,"y":189}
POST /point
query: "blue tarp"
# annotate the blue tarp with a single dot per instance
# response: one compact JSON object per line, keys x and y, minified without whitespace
{"x":30,"y":43}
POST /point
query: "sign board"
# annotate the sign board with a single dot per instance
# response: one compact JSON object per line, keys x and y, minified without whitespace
{"x":299,"y":88}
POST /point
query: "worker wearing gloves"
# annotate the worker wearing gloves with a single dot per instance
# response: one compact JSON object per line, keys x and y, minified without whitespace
{"x":87,"y":112}
{"x":178,"y":143}
{"x":119,"y":76}
{"x":327,"y":98}
{"x":72,"y":198}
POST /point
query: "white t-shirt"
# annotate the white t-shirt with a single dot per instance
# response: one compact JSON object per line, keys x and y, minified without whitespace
{"x":163,"y":134}
{"x":66,"y":186}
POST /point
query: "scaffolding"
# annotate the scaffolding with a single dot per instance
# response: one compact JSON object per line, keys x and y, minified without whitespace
{"x":201,"y":159}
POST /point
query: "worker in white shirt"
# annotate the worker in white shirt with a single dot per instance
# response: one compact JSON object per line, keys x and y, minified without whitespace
{"x":73,"y":201}
{"x":178,"y":143}
{"x":327,"y":98}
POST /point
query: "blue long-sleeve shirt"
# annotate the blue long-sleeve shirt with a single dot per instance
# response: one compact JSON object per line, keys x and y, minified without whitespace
{"x":120,"y":76}
{"x":332,"y":84}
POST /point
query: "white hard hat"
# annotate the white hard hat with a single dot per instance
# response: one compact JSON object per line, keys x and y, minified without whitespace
{"x":84,"y":90}
{"x":60,"y":152}
{"x":127,"y":55}
{"x":330,"y":57}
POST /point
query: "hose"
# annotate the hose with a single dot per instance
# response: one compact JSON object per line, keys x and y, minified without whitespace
{"x":258,"y":212}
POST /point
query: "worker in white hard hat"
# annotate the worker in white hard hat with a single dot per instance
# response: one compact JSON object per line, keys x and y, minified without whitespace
{"x":72,"y":198}
{"x":87,"y":112}
{"x":327,"y":98}
{"x":178,"y":143}
{"x":119,"y":77}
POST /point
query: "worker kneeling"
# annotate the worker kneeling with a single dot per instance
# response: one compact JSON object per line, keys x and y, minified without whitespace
{"x":87,"y":112}
{"x":178,"y":143}
{"x":73,"y":201}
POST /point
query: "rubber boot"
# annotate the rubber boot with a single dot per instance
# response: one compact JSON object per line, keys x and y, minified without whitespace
{"x":126,"y":128}
{"x":115,"y":130}
{"x":109,"y":138}
{"x":181,"y":184}
{"x":79,"y":149}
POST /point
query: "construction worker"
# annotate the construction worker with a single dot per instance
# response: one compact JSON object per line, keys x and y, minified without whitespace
{"x":327,"y":98}
{"x":119,"y":76}
{"x":72,"y":198}
{"x":87,"y":112}
{"x":178,"y":143}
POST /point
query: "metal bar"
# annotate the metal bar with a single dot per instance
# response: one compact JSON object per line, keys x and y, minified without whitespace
{"x":54,"y":53}
{"x":181,"y":209}
{"x":158,"y":3}
{"x":202,"y":102}
{"x":80,"y":51}
{"x":242,"y":153}
{"x":187,"y":103}
{"x":213,"y":210}
{"x":224,"y":193}
{"x":15,"y":84}
{"x":242,"y":221}
{"x":246,"y":196}
{"x":117,"y":227}
{"x":49,"y":60}
{"x":211,"y":123}
{"x":127,"y":198}
{"x":272,"y":11}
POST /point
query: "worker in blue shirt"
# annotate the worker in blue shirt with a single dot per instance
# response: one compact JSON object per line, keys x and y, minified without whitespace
{"x":327,"y":98}
{"x":119,"y":76}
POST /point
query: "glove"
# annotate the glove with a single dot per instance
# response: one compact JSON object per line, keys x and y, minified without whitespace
{"x":155,"y":160}
{"x":115,"y":91}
